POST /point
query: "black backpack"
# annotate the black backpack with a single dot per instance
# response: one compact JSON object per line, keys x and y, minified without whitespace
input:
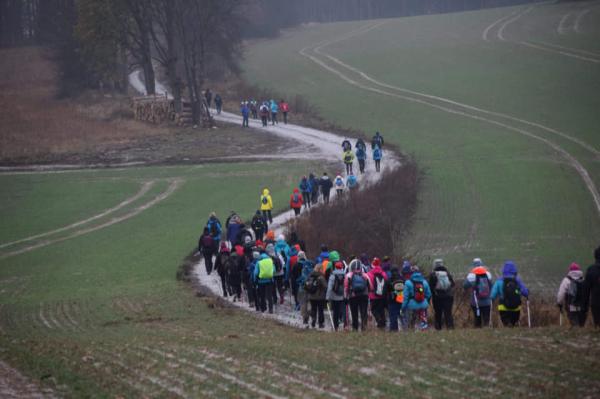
{"x":338,"y":284}
{"x":511,"y":293}
{"x":265,"y":200}
{"x":574,"y":295}
{"x":311,"y":285}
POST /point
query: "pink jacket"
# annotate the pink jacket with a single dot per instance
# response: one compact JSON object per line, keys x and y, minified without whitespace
{"x":348,"y":279}
{"x":373,"y":284}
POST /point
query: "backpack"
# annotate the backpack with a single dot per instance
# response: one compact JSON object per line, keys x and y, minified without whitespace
{"x":379,"y":285}
{"x":482,"y":286}
{"x":338,"y":284}
{"x":398,"y":291}
{"x":311,"y":285}
{"x":443,"y":281}
{"x":511,"y":293}
{"x":296,"y":198}
{"x":574,"y":295}
{"x":360,"y":153}
{"x":419,"y":291}
{"x":339,"y":182}
{"x":265,"y":269}
{"x":278,"y":264}
{"x":264,"y":200}
{"x":207,"y":242}
{"x":358,"y":284}
{"x":348,"y":158}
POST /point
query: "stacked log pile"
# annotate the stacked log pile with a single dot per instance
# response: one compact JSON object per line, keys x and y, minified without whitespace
{"x":153,"y":109}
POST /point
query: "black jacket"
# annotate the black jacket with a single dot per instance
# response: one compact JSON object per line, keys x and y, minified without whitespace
{"x":433,"y":281}
{"x":591,"y":286}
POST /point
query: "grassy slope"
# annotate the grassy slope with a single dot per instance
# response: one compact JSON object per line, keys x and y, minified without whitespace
{"x":489,"y":192}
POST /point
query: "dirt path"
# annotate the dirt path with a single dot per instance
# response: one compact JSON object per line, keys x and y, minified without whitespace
{"x":14,"y":385}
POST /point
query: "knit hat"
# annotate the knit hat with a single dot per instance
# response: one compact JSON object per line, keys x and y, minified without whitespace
{"x":281,"y":237}
{"x":574,"y":266}
{"x":271,"y":235}
{"x":338,"y":265}
{"x":406,"y":269}
{"x":301,"y":255}
{"x":376,"y":262}
{"x":255,"y":255}
{"x":477,"y":262}
{"x":438,"y":262}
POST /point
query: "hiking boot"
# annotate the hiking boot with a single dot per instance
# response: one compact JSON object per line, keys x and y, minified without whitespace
{"x":321,"y":326}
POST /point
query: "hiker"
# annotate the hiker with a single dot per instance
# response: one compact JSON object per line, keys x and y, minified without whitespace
{"x":254,"y":109}
{"x":314,"y":188}
{"x":234,"y":226}
{"x":218,"y":103}
{"x":509,"y":289}
{"x":278,"y":276}
{"x":325,"y":184}
{"x":316,"y":287}
{"x":264,"y":113}
{"x":479,"y":280}
{"x":365,"y":262}
{"x":234,"y":268}
{"x":570,"y":296}
{"x":221,"y":266}
{"x":377,"y":140}
{"x":442,"y":284}
{"x":294,"y":272}
{"x":270,"y":238}
{"x":356,"y":289}
{"x":361,"y":156}
{"x":208,"y":97}
{"x":259,"y":225}
{"x":591,"y":289}
{"x":250,"y":281}
{"x":263,"y":275}
{"x":377,"y":296}
{"x":361,"y":144}
{"x":335,"y":294}
{"x":348,"y":158}
{"x":282,"y":249}
{"x":306,"y":190}
{"x":245,"y":110}
{"x":285,"y":108}
{"x":274,"y":111}
{"x":416,"y":300}
{"x":295,"y":240}
{"x":307,"y":268}
{"x":214,"y":226}
{"x":395,"y":298}
{"x":296,"y":201}
{"x":266,"y":205}
{"x":377,"y":155}
{"x":346,"y":145}
{"x":386,"y":266}
{"x":206,"y":246}
{"x":406,"y":270}
{"x":339,"y":185}
{"x":351,"y":181}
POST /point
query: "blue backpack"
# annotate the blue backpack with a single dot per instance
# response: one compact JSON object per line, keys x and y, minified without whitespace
{"x":358,"y":284}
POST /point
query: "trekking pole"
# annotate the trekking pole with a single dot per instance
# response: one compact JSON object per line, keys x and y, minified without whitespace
{"x":528,"y":314}
{"x":330,"y":316}
{"x":560,"y":317}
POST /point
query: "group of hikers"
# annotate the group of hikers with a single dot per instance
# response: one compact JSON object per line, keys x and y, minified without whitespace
{"x":208,"y":96}
{"x":256,"y":266}
{"x":360,"y":153}
{"x":267,"y":110}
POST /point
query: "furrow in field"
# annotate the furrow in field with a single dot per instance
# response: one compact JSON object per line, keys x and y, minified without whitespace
{"x":579,"y":18}
{"x":143,"y":190}
{"x":561,"y":52}
{"x":570,"y":49}
{"x":425,"y":100}
{"x":562,"y":28}
{"x":486,"y":31}
{"x":175,"y":184}
{"x":500,"y":33}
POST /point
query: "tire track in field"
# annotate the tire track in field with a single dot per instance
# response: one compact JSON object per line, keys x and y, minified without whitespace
{"x":464,"y":110}
{"x":143,"y":190}
{"x":175,"y":184}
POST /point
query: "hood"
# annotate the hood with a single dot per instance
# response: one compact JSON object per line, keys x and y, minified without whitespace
{"x":264,"y":256}
{"x":270,"y":249}
{"x":258,"y":212}
{"x":417,"y":276}
{"x":576,"y":275}
{"x":438,"y":262}
{"x":338,"y":177}
{"x":325,"y":177}
{"x":266,"y":191}
{"x":376,"y":262}
{"x":324,"y":255}
{"x":271,"y":235}
{"x":509,"y":269}
{"x":477,"y":262}
{"x":479,"y":270}
{"x":296,"y":190}
{"x":334,"y":256}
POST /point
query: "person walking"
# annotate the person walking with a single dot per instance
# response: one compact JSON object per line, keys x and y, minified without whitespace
{"x":377,"y":155}
{"x":264,"y":114}
{"x":274,"y":111}
{"x":218,"y":103}
{"x":361,"y":156}
{"x":377,"y":296}
{"x":395,"y":298}
{"x":263,"y":275}
{"x":307,"y":269}
{"x":509,"y":289}
{"x":570,"y":296}
{"x":214,"y":227}
{"x":339,"y":185}
{"x":221,"y":267}
{"x":316,"y":286}
{"x":296,"y":201}
{"x":206,"y":246}
{"x":335,"y":294}
{"x":306,"y":190}
{"x":254,"y":109}
{"x":314,"y":188}
{"x":356,"y":289}
{"x":417,"y":295}
{"x":325,"y":184}
{"x":245,"y":110}
{"x":442,"y":285}
{"x":479,"y":281}
{"x":285,"y":108}
{"x":351,"y":182}
{"x":591,"y":289}
{"x":208,"y":97}
{"x":377,"y":140}
{"x":266,"y":205}
{"x":279,"y":274}
{"x":360,"y":143}
{"x":348,"y":158}
{"x":259,"y":225}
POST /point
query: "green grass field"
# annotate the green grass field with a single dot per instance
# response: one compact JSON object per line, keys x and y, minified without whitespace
{"x":490,"y":191}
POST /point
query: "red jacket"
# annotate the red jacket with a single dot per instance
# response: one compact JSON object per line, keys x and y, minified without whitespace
{"x":284,"y":107}
{"x":298,"y":203}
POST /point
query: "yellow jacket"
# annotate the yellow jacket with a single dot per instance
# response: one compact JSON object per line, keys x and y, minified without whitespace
{"x":348,"y":156}
{"x":266,"y":203}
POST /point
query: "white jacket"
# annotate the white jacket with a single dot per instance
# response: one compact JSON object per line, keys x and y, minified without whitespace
{"x":561,"y":296}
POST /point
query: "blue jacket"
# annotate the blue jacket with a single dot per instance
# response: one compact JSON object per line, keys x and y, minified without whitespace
{"x":257,"y":272}
{"x":351,"y":181}
{"x":314,"y":184}
{"x":409,"y":293}
{"x":361,"y":154}
{"x":307,"y":269}
{"x":377,"y":154}
{"x":282,"y":246}
{"x":274,"y":107}
{"x":214,"y":222}
{"x":245,"y":111}
{"x":232,"y":231}
{"x":508,"y":271}
{"x":305,"y":186}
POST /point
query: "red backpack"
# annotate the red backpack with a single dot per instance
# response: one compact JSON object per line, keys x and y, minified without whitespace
{"x":419,"y":291}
